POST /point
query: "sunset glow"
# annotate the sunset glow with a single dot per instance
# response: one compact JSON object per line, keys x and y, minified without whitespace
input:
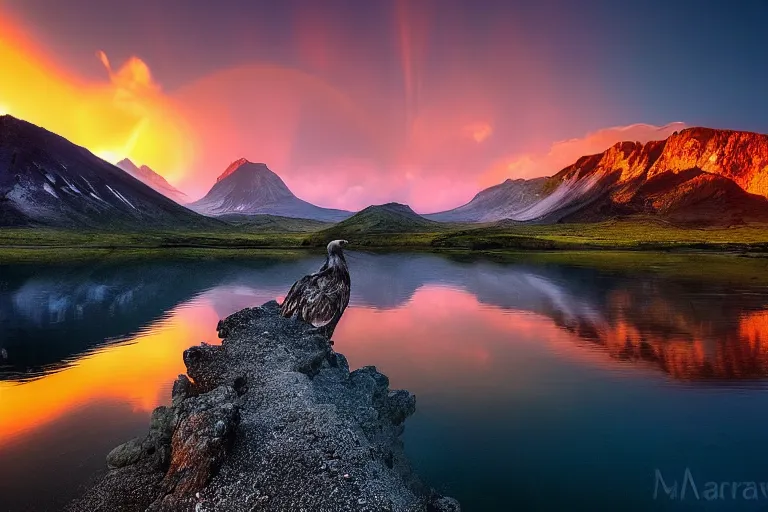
{"x":441,"y":332}
{"x":104,"y":375}
{"x":410,"y":101}
{"x":123,"y":115}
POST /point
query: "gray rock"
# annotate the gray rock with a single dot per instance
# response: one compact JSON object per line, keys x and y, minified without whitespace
{"x":270,"y":420}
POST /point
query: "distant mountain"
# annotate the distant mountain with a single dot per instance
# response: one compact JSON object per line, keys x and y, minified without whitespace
{"x":45,"y":179}
{"x":495,"y":203}
{"x":251,"y":188}
{"x":696,"y":176}
{"x":149,"y":177}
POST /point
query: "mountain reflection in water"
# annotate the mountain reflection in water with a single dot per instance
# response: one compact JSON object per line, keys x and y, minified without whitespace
{"x":93,"y":349}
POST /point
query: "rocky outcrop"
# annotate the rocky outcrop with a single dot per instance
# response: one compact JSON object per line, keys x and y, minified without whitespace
{"x":698,"y":175}
{"x":739,"y":156}
{"x":272,"y":419}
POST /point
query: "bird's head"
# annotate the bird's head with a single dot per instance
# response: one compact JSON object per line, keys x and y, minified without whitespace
{"x":336,"y":246}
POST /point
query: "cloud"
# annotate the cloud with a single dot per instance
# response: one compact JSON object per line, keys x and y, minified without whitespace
{"x":340,"y":132}
{"x":563,"y":153}
{"x":479,"y":131}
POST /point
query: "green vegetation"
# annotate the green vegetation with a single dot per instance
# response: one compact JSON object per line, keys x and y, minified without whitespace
{"x":387,"y":225}
{"x":391,"y":218}
{"x":225,"y":238}
{"x":274,"y":224}
{"x":39,"y":244}
{"x":634,"y":234}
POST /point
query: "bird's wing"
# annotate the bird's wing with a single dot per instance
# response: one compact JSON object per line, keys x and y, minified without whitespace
{"x":292,"y":303}
{"x":316,"y":298}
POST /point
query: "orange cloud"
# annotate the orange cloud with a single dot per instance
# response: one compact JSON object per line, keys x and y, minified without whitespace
{"x":126,"y":116}
{"x":479,"y":131}
{"x":563,"y":153}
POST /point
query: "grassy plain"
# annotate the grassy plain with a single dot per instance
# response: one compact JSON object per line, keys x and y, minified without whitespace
{"x":39,"y":244}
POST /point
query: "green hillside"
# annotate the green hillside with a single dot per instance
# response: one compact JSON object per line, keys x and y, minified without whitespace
{"x":377,"y":223}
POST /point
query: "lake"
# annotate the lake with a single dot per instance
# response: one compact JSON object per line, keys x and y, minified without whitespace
{"x":539,"y":385}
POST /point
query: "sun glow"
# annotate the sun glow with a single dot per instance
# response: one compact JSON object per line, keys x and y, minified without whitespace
{"x":124,"y":115}
{"x":109,"y":156}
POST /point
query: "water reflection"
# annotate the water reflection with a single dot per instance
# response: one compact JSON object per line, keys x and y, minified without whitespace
{"x":92,"y":350}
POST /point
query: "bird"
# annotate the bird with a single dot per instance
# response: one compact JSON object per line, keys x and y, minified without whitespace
{"x":321,"y":298}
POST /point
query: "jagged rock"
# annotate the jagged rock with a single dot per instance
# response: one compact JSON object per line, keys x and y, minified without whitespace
{"x":153,"y":449}
{"x":699,"y":176}
{"x":270,"y":420}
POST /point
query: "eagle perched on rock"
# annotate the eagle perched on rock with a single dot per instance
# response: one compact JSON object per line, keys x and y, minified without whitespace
{"x":321,"y":298}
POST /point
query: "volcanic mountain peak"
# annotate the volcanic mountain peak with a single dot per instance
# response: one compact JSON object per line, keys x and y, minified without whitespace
{"x":242,"y":165}
{"x":248,"y":188}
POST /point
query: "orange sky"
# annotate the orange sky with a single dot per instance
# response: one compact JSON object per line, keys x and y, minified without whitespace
{"x":324,"y":124}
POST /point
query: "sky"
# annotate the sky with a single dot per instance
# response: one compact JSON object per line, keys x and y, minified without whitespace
{"x":352,"y":103}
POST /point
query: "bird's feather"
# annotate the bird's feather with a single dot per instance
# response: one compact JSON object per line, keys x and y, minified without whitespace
{"x":319,"y":298}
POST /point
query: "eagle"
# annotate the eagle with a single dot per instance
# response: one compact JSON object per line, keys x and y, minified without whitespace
{"x":321,"y":298}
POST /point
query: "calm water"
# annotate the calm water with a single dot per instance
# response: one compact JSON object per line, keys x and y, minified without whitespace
{"x":540,"y":387}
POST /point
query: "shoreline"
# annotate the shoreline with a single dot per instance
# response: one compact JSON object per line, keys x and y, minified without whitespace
{"x":271,"y":419}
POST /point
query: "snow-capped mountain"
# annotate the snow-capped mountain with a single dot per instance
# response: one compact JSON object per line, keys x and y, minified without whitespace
{"x":45,"y":179}
{"x":251,"y":188}
{"x":149,"y":177}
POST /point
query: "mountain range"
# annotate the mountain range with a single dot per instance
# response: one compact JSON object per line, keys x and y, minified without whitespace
{"x":252,"y":188}
{"x":697,"y":176}
{"x":47,"y":180}
{"x":150,"y":178}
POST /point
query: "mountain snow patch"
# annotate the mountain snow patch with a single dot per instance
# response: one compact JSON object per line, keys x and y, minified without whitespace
{"x":120,"y":197}
{"x":71,"y":186}
{"x":97,"y":197}
{"x":89,"y":186}
{"x":50,"y":190}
